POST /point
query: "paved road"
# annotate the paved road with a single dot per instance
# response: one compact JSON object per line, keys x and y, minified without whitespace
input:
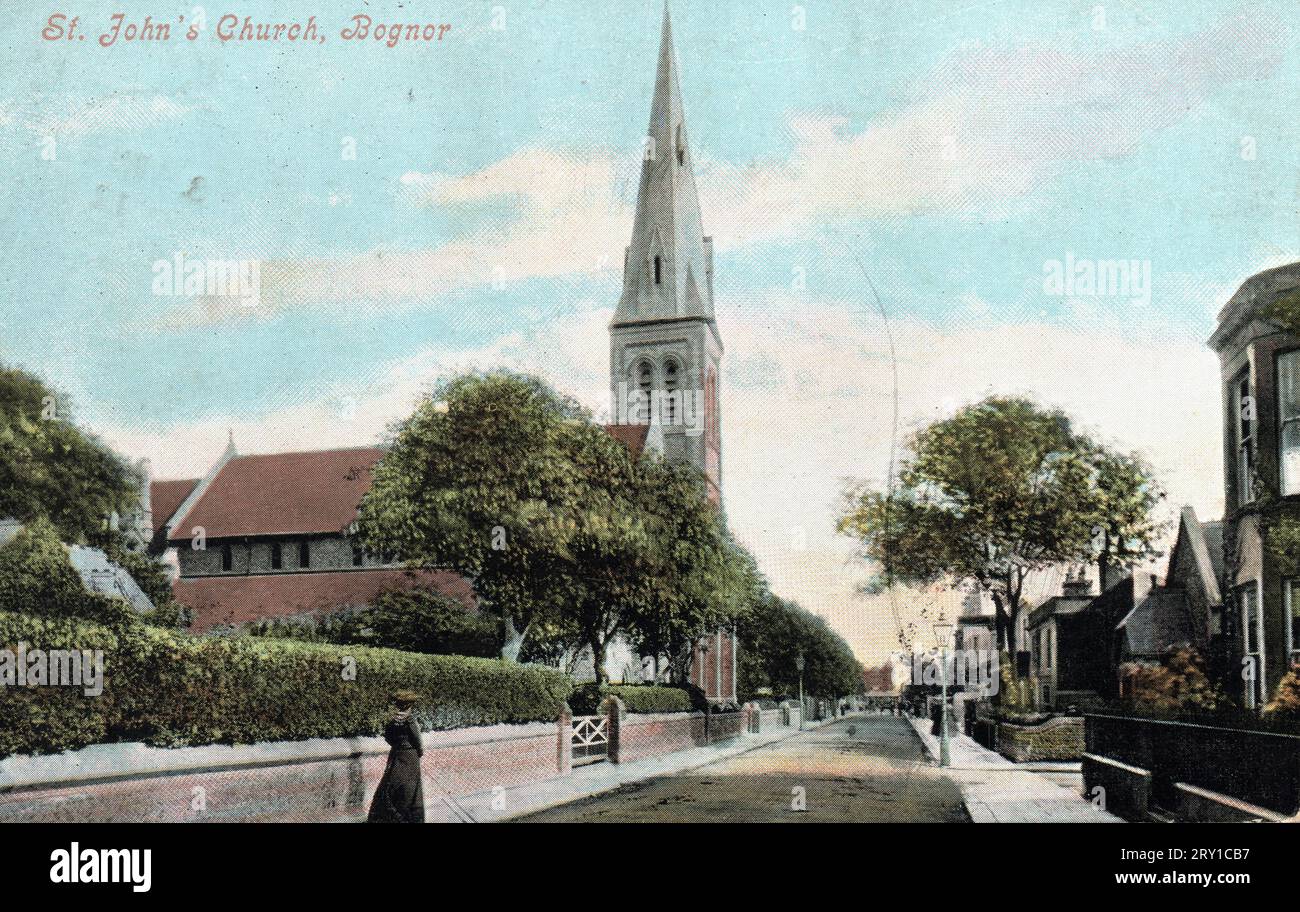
{"x":875,"y":774}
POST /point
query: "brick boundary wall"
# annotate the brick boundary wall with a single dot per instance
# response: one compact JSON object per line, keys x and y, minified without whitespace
{"x":656,"y":734}
{"x":1056,"y":739}
{"x":320,"y":781}
{"x":305,"y":781}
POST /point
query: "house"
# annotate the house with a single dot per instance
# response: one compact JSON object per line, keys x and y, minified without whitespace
{"x":1260,"y":375}
{"x":1067,"y":661}
{"x":1084,"y":644}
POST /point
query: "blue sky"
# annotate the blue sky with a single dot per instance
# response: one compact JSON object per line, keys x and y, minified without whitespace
{"x":950,"y":149}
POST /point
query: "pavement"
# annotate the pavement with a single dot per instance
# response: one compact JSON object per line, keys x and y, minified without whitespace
{"x":996,"y":790}
{"x":588,"y":781}
{"x":863,"y":768}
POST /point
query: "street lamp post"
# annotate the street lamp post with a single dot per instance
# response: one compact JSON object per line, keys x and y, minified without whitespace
{"x":943,"y":630}
{"x":798,"y":666}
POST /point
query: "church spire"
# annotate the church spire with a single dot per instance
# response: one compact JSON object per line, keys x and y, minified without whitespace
{"x":668,"y":273}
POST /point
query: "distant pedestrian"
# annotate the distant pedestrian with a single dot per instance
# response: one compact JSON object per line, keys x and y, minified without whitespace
{"x":400,"y":796}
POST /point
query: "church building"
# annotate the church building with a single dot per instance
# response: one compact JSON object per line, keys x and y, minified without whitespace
{"x":269,"y":536}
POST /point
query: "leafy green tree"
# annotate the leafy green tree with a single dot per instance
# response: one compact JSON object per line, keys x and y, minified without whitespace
{"x":702,"y":579}
{"x":1125,"y":496}
{"x":774,"y":634}
{"x":481,"y":480}
{"x":1000,"y":490}
{"x":501,"y":479}
{"x":51,"y":468}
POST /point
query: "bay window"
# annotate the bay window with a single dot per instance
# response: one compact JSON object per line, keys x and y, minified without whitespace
{"x":1288,"y":410}
{"x":1245,"y":410}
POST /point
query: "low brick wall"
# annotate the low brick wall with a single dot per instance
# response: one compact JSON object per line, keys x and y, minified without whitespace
{"x":307,"y":781}
{"x":725,"y":726}
{"x":652,"y":735}
{"x":1056,"y":739}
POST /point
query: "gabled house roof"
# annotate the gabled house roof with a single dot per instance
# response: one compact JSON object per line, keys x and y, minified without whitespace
{"x":279,"y":494}
{"x":1156,"y":623}
{"x":165,"y":498}
{"x":1202,"y":543}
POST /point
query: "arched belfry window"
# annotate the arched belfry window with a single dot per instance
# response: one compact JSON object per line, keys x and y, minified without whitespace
{"x":672,"y":388}
{"x":659,"y":270}
{"x":645,"y":382}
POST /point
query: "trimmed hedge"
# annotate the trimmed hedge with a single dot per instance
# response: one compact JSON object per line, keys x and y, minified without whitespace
{"x":170,"y":689}
{"x":641,"y":699}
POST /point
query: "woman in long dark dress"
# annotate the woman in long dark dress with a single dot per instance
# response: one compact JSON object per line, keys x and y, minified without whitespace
{"x":400,"y":796}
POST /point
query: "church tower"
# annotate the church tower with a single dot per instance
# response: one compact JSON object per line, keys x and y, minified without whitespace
{"x":665,"y":348}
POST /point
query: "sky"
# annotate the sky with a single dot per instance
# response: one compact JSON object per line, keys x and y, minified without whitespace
{"x":444,"y":205}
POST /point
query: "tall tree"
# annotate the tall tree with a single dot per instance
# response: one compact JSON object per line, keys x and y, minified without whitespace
{"x":52,"y":469}
{"x":482,"y":480}
{"x":998,"y":491}
{"x":702,"y":578}
{"x":1125,"y":496}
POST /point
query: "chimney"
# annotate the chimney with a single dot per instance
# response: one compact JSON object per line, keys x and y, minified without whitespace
{"x":1077,"y":587}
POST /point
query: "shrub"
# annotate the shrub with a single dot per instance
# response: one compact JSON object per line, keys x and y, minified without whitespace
{"x":421,"y":620}
{"x":38,"y":579}
{"x":641,"y":699}
{"x":1178,"y":684}
{"x":171,"y":689}
{"x":1285,"y":705}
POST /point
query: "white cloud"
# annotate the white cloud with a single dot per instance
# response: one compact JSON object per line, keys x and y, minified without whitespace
{"x":987,"y":126}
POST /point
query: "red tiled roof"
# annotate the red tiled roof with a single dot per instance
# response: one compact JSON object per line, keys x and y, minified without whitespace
{"x":239,"y":600}
{"x":632,"y":436}
{"x":283,"y":494}
{"x":165,"y":497}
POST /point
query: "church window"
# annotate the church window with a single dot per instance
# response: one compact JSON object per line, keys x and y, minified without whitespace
{"x":304,"y":554}
{"x":277,"y":556}
{"x":227,"y":559}
{"x":681,"y":147}
{"x":645,"y":387}
{"x":659,"y":271}
{"x":671,"y":389}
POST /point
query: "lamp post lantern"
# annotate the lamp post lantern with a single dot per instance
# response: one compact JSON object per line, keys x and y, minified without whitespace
{"x":943,"y":630}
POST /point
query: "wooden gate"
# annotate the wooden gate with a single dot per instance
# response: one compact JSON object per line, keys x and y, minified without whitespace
{"x":590,"y":739}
